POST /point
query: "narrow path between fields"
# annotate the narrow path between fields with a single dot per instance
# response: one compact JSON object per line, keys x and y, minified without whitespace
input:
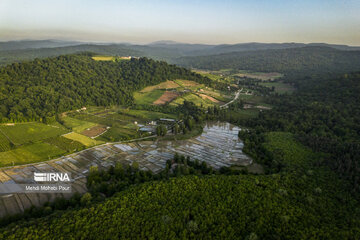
{"x":237,"y":94}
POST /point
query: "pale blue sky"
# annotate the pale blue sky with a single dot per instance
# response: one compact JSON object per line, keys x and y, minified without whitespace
{"x":194,"y":21}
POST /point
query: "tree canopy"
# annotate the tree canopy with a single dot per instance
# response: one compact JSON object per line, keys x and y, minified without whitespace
{"x":42,"y":88}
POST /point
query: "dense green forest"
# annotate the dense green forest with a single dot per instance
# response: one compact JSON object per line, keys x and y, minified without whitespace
{"x":189,"y":200}
{"x":20,"y":55}
{"x":42,"y":88}
{"x":325,"y":115}
{"x":294,"y":61}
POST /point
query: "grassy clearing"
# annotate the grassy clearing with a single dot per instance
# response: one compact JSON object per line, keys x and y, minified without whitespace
{"x":103,"y":58}
{"x":32,"y":153}
{"x":163,"y":85}
{"x":77,"y":125}
{"x":280,"y":87}
{"x":148,"y":97}
{"x":109,"y":58}
{"x":31,"y":132}
{"x":82,"y":139}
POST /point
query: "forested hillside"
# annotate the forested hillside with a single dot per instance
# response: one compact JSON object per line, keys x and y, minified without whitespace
{"x":18,"y":51}
{"x":20,"y":55}
{"x":42,"y":88}
{"x":325,"y":115}
{"x":295,"y":206}
{"x":294,"y":61}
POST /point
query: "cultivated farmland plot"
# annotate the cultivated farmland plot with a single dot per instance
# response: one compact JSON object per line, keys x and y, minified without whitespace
{"x":218,"y":145}
{"x":30,"y":132}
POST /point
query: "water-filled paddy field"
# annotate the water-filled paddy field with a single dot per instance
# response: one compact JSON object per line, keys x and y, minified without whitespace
{"x":218,"y":145}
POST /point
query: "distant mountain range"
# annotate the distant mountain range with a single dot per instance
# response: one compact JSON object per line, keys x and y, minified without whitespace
{"x":26,"y":44}
{"x":16,"y":51}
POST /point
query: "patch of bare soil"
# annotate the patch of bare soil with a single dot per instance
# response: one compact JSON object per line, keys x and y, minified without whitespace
{"x":94,"y":131}
{"x":203,"y":96}
{"x":166,"y":97}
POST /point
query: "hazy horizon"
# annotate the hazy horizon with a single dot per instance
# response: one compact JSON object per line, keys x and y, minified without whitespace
{"x":203,"y":22}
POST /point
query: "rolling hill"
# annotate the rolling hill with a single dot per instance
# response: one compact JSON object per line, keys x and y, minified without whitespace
{"x":42,"y":88}
{"x":15,"y":51}
{"x":303,"y":60}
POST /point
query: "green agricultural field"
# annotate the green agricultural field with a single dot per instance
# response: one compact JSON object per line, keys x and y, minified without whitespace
{"x":82,"y":139}
{"x":219,"y":95}
{"x":108,"y":119}
{"x":217,"y":76}
{"x":65,"y":144}
{"x":77,"y":125}
{"x":31,"y":132}
{"x":264,"y":76}
{"x":192,"y":98}
{"x":280,"y":87}
{"x":120,"y":118}
{"x":31,"y":153}
{"x":148,"y":97}
{"x":92,"y":118}
{"x":146,"y":115}
{"x":5,"y":144}
{"x":109,"y":58}
{"x":103,"y":58}
{"x":118,"y":133}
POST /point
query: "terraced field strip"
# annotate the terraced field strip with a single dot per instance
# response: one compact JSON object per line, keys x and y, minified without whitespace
{"x":81,"y":138}
{"x":77,"y":125}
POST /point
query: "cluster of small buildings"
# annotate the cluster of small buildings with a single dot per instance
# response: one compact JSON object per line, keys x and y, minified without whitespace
{"x":150,"y":126}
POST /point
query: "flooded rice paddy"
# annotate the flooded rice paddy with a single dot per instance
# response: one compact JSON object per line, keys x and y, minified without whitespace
{"x":218,"y":146}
